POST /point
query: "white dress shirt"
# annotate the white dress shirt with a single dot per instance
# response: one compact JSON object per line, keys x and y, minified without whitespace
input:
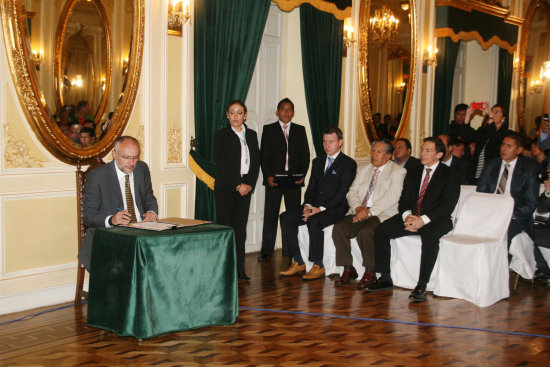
{"x":510,"y":172}
{"x":122,"y":182}
{"x":424,"y":217}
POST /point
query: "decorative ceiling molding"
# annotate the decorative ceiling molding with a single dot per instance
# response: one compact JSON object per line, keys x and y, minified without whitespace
{"x":328,"y":6}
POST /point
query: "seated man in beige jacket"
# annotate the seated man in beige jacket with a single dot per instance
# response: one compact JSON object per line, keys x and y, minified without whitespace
{"x":372,"y":198}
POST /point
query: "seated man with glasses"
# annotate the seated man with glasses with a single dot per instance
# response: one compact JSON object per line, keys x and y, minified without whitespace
{"x":117,"y":193}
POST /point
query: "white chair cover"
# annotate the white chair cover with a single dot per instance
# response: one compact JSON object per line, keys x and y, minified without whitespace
{"x":473,"y":260}
{"x":465,"y":192}
{"x":523,"y":256}
{"x":545,"y":253}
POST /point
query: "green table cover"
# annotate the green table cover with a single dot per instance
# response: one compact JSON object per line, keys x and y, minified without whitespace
{"x":145,"y":283}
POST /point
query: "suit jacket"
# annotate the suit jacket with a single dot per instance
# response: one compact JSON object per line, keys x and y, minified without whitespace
{"x":329,"y":191}
{"x":524,"y":187}
{"x":102,"y":197}
{"x":461,"y":167}
{"x":227,"y":154}
{"x":412,"y":162}
{"x":440,"y":197}
{"x":387,"y":191}
{"x":489,"y":137}
{"x":274,"y":150}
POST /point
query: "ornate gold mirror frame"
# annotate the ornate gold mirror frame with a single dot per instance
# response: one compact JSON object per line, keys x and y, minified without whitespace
{"x":365,"y":12}
{"x":31,"y":96}
{"x":524,"y":43}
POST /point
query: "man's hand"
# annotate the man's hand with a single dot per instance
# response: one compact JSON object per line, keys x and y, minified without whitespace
{"x":309,"y":211}
{"x":121,"y":218}
{"x":244,"y":189}
{"x":361,"y":214}
{"x":413,"y":223}
{"x":271,"y":181}
{"x":149,"y":217}
{"x":299,"y":182}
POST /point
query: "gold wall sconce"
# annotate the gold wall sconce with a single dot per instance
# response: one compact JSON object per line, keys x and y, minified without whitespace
{"x":348,"y":33}
{"x":77,"y":81}
{"x":178,"y":14}
{"x":535,"y":87}
{"x":37,"y":58}
{"x":400,"y":88}
{"x":429,"y":58}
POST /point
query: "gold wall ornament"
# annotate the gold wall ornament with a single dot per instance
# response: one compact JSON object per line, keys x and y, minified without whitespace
{"x":366,"y":95}
{"x":141,"y":139}
{"x":30,"y":94}
{"x":17,"y":154}
{"x":174,"y":145}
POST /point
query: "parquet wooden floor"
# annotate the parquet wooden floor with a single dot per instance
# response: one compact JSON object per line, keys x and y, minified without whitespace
{"x":287,"y":322}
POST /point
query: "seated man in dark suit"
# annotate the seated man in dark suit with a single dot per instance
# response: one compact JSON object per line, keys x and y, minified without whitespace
{"x":516,"y":175}
{"x":324,"y":204}
{"x":117,"y":193}
{"x":430,"y":193}
{"x":458,"y":164}
{"x":402,"y":149}
{"x":542,"y":235}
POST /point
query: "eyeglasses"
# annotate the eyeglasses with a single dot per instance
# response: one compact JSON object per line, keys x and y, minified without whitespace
{"x":128,"y":158}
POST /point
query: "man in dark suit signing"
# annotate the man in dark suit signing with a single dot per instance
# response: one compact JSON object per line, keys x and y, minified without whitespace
{"x":516,"y":175}
{"x":285,"y":151}
{"x":117,"y":193}
{"x":324,"y":204}
{"x":430,"y":193}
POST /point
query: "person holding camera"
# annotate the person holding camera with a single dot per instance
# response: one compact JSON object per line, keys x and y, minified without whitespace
{"x":542,"y":230}
{"x":515,"y":175}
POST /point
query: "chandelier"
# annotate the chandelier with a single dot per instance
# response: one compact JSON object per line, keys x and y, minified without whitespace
{"x":384,"y":26}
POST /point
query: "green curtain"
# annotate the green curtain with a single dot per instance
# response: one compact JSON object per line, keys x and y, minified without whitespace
{"x":443,"y":89}
{"x":505,"y":72}
{"x":227,"y":37}
{"x":322,"y":47}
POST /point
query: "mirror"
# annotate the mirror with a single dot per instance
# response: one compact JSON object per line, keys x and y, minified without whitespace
{"x":387,"y":33}
{"x":534,"y":51}
{"x":69,"y":70}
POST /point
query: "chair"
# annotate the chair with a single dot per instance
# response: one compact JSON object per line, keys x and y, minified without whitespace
{"x":406,"y":251}
{"x":523,"y":257}
{"x":473,"y":260}
{"x":80,"y":181}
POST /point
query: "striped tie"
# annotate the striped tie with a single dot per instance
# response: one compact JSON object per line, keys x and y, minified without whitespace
{"x":285,"y":130}
{"x":372,"y":184}
{"x":480,"y":162}
{"x":423,"y":190}
{"x":330,"y":160}
{"x":503,"y":178}
{"x":129,"y":199}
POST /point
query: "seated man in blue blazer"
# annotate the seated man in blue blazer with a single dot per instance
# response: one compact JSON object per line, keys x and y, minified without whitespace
{"x":324,"y":204}
{"x":516,"y":175}
{"x":117,"y":193}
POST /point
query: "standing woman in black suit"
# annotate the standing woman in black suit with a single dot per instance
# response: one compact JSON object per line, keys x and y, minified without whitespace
{"x":237,"y":159}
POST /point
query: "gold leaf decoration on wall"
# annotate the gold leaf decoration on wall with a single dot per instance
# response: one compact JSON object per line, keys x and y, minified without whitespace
{"x":16,"y":153}
{"x":174,"y":145}
{"x":141,"y":139}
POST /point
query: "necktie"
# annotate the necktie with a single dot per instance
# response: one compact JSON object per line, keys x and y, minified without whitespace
{"x":285,"y":130}
{"x":129,"y":199}
{"x":372,"y":184}
{"x":503,"y":178}
{"x":330,"y":160}
{"x":423,"y":190}
{"x":480,"y":162}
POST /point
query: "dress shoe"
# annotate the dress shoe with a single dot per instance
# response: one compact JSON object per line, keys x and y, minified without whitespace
{"x":367,"y":280}
{"x":346,"y":277}
{"x":264,"y":257}
{"x":418,"y":294}
{"x":242,"y":276}
{"x":380,"y":285}
{"x":294,"y":269}
{"x":314,"y":273}
{"x":334,"y":276}
{"x":542,"y":275}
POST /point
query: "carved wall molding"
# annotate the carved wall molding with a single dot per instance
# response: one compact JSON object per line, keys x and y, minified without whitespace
{"x":17,"y":154}
{"x":174,"y":145}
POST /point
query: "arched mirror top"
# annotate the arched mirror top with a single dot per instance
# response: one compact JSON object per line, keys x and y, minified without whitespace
{"x":65,"y":64}
{"x":534,"y":52}
{"x":387,"y":34}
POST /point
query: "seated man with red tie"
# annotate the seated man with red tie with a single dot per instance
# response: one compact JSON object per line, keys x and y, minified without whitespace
{"x":516,"y":175}
{"x":117,"y":193}
{"x":430,"y":193}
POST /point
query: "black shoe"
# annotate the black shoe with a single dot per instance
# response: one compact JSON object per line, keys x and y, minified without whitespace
{"x":542,"y":275}
{"x":380,"y":285}
{"x":242,"y":276}
{"x":418,"y":294}
{"x":264,"y":257}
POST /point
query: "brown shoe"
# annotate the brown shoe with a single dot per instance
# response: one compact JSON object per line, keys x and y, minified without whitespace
{"x":346,"y":277}
{"x":368,"y":279}
{"x":315,"y":273}
{"x":294,"y":269}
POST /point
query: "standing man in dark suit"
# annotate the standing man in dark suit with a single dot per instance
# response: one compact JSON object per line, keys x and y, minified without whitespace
{"x":285,"y":151}
{"x":324,"y":204}
{"x":516,"y":175}
{"x":402,"y":150}
{"x":430,"y":193}
{"x":117,"y":193}
{"x":458,"y":164}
